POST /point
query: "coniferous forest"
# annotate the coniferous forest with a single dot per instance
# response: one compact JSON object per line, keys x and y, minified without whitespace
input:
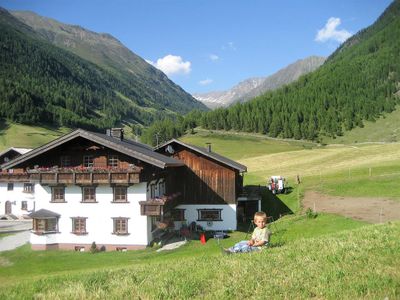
{"x":358,"y":82}
{"x":42,"y":83}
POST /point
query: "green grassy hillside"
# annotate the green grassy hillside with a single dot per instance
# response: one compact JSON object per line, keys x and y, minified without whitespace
{"x":360,"y":263}
{"x":42,"y":83}
{"x":385,"y":129}
{"x":327,"y":256}
{"x":24,"y":136}
{"x":357,"y":82}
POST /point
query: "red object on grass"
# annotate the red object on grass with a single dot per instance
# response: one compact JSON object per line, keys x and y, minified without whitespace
{"x":203,"y":238}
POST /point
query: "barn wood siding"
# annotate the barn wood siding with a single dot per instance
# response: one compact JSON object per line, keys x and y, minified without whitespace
{"x":205,"y":181}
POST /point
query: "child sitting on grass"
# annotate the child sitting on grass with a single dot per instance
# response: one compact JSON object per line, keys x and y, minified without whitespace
{"x":259,"y":238}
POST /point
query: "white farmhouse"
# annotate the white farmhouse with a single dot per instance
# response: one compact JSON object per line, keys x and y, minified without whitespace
{"x":89,"y":187}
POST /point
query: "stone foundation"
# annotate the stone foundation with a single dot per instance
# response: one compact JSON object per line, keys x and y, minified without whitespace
{"x":86,"y":247}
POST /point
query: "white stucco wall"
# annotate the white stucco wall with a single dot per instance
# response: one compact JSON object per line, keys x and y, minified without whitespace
{"x":228,"y":216}
{"x":99,"y":222}
{"x":16,"y":196}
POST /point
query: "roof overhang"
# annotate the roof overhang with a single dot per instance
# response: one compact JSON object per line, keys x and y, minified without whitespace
{"x":219,"y":158}
{"x":141,"y":153}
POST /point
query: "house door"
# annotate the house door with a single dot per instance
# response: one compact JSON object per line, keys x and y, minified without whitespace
{"x":8,"y":208}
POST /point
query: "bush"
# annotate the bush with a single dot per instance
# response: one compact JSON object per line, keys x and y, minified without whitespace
{"x":93,"y":248}
{"x":311,"y":214}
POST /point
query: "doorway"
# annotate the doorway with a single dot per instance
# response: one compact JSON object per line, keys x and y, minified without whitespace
{"x":246,"y":210}
{"x":8,"y":209}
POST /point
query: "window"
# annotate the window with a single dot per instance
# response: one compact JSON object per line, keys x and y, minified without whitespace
{"x":24,"y":205}
{"x":178,"y":214}
{"x":113,"y":161}
{"x":58,"y":194}
{"x":79,"y":225}
{"x":10,"y":186}
{"x":120,"y":226}
{"x":65,"y":161}
{"x":45,"y":225}
{"x":88,"y":161}
{"x":29,"y":188}
{"x":161,"y":188}
{"x":120,"y":194}
{"x":209,"y":214}
{"x":88,"y":194}
{"x":153,"y":190}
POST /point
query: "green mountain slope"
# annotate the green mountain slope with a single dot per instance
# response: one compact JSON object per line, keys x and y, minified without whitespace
{"x":358,"y":82}
{"x":40,"y":82}
{"x":109,"y":53}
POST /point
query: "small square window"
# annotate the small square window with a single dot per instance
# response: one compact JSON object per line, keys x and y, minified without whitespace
{"x":24,"y":205}
{"x":88,"y":194}
{"x":113,"y":161}
{"x":88,"y":161}
{"x":29,"y":188}
{"x":120,"y":194}
{"x":65,"y":161}
{"x":79,"y":225}
{"x":120,"y":226}
{"x":10,"y":186}
{"x":58,"y":194}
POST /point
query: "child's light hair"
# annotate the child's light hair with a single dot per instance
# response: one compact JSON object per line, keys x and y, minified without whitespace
{"x":260,"y":214}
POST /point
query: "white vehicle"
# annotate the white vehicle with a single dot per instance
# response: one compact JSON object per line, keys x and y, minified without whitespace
{"x":276,"y":184}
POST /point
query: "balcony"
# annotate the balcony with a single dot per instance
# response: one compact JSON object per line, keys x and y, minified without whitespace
{"x":157,"y":206}
{"x":88,"y":176}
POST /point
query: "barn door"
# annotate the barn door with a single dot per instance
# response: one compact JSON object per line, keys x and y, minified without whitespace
{"x":8,"y":208}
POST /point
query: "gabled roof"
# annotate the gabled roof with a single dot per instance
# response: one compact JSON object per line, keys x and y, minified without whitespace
{"x":222,"y":159}
{"x":44,"y":214}
{"x":18,"y":150}
{"x":127,"y":147}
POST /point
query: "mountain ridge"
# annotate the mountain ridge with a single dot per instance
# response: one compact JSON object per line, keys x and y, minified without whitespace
{"x":43,"y":83}
{"x":255,"y":86}
{"x":108,"y":52}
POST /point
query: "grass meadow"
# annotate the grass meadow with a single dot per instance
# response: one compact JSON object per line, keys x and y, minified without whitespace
{"x":358,"y":263}
{"x":23,"y":136}
{"x":320,"y":256}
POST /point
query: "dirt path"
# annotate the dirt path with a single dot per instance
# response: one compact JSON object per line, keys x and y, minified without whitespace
{"x":372,"y":210}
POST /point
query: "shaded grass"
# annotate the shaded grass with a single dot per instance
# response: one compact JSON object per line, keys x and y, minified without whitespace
{"x":361,"y":263}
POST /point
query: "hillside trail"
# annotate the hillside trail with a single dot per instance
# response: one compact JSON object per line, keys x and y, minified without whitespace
{"x":371,"y":210}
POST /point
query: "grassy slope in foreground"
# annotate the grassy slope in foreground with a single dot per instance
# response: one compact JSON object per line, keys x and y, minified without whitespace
{"x":361,"y":263}
{"x":23,"y":264}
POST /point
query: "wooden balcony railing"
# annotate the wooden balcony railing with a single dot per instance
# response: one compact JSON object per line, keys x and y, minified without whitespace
{"x":87,"y":176}
{"x":158,"y":206}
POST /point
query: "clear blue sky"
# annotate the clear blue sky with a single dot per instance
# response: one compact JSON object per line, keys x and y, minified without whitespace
{"x":206,"y":45}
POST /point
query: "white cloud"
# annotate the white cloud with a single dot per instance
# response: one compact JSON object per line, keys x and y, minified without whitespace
{"x":329,"y":32}
{"x":229,"y":46}
{"x":172,"y":65}
{"x":213,"y":57}
{"x":206,"y":81}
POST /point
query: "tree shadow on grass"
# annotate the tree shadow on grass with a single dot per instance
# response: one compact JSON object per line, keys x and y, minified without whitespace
{"x":3,"y":126}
